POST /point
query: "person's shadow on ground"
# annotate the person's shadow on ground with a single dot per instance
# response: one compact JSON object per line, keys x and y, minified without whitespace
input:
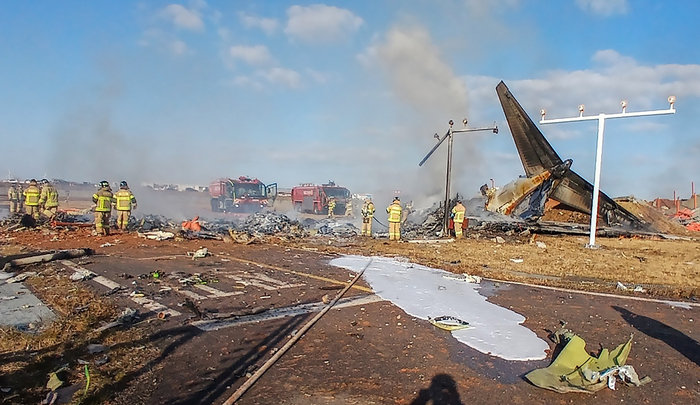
{"x":442,"y":391}
{"x":685,"y":345}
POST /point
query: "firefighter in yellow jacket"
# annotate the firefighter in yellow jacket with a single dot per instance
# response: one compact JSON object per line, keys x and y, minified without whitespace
{"x":13,"y":195}
{"x":103,"y":208}
{"x":394,"y":211}
{"x":331,"y":207}
{"x":458,"y":217}
{"x":124,"y":202}
{"x":48,"y":200}
{"x":367,"y":216}
{"x":31,"y":199}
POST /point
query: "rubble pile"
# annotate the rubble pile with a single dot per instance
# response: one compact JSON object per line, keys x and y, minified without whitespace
{"x":270,"y":223}
{"x":151,"y":222}
{"x":690,"y":219}
{"x":332,"y":227}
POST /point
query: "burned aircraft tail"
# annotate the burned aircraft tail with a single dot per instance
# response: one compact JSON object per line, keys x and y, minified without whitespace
{"x":538,"y":156}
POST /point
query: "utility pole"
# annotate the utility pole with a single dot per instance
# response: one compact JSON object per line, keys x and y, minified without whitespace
{"x":599,"y":147}
{"x":448,"y":176}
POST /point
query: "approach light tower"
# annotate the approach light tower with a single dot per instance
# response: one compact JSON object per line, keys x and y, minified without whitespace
{"x":599,"y":148}
{"x":449,"y":134}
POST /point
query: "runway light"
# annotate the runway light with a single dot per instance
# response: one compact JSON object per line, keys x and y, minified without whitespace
{"x":623,"y":103}
{"x":581,"y":108}
{"x":451,"y":123}
{"x":671,"y":100}
{"x":543,"y":112}
{"x":464,"y":121}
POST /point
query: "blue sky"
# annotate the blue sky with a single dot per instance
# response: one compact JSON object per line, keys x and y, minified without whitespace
{"x":289,"y":92}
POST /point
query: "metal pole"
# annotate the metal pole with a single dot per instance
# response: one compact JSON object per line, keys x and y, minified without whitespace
{"x":596,"y":181}
{"x":249,"y":383}
{"x":695,"y":197}
{"x":599,"y":148}
{"x":446,"y":217}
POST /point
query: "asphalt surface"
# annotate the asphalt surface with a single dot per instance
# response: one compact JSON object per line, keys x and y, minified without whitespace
{"x":226,"y":314}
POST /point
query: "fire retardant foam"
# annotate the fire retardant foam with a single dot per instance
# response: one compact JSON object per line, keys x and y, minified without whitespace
{"x":424,"y":292}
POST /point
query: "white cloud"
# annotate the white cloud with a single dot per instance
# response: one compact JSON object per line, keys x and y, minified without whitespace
{"x":177,"y":47}
{"x":319,"y":23}
{"x":224,"y":33}
{"x":268,"y":25}
{"x":282,"y":76}
{"x":246,"y":81}
{"x":612,"y":78}
{"x":163,"y":41}
{"x":181,"y":17}
{"x":481,"y":7}
{"x":257,"y":55}
{"x":605,"y":8}
{"x":317,"y":76}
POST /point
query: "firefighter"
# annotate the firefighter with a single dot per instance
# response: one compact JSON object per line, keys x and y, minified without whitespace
{"x":103,"y":208}
{"x":367,"y":216}
{"x":407,"y":210}
{"x":348,"y":208}
{"x":31,"y":199}
{"x":20,"y":193}
{"x":48,"y":200}
{"x":13,"y":196}
{"x":458,"y":217}
{"x":394,"y":211}
{"x":331,"y":207}
{"x":124,"y":202}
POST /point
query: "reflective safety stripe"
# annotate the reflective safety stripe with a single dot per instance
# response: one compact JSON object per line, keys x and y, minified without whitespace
{"x":459,"y":215}
{"x":123,"y":200}
{"x":104,"y":203}
{"x":31,"y":197}
{"x":50,"y":197}
{"x":394,"y":212}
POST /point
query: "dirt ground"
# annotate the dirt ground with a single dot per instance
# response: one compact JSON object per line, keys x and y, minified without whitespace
{"x":369,"y":352}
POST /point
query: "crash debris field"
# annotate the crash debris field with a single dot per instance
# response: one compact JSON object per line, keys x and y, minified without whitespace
{"x":173,"y":313}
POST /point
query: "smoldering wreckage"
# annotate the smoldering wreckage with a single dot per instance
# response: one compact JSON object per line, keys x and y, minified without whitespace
{"x":513,"y":211}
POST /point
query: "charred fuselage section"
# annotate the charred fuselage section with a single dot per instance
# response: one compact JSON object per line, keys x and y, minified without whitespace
{"x":546,"y":176}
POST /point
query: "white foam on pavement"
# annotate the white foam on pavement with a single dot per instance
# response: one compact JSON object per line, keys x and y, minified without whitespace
{"x":423,"y":292}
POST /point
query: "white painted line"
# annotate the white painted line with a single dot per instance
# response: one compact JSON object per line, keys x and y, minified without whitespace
{"x":145,"y":302}
{"x":107,"y":282}
{"x":192,"y":294}
{"x":153,"y":306}
{"x":259,"y":280}
{"x":216,"y":293}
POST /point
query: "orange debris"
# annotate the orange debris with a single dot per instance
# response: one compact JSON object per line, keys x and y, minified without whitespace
{"x":192,"y":225}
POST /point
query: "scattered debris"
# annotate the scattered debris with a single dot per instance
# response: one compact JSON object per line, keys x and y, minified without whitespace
{"x":95,"y":348}
{"x":199,"y":254}
{"x":157,"y":235}
{"x":82,"y":274}
{"x":192,"y":225}
{"x":43,"y":257}
{"x":467,"y":278}
{"x":574,"y":370}
{"x":21,"y":277}
{"x":449,"y":323}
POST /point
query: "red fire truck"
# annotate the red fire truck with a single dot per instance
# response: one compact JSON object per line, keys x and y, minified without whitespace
{"x":241,"y":195}
{"x":314,"y":198}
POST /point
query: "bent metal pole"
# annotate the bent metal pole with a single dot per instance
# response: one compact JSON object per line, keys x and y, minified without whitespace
{"x":243,"y":388}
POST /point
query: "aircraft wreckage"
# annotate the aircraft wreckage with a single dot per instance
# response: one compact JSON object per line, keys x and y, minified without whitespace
{"x":547,"y":176}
